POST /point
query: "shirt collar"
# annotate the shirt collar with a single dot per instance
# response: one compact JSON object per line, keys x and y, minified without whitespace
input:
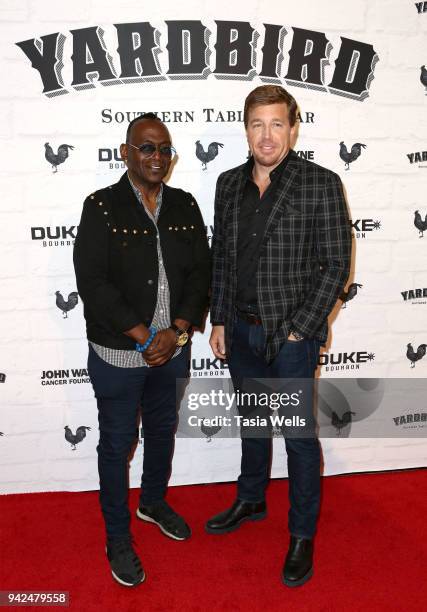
{"x":277,"y":171}
{"x":139,"y":195}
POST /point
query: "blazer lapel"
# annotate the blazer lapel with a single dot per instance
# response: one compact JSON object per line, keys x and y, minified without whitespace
{"x":287,"y":182}
{"x":233,"y":214}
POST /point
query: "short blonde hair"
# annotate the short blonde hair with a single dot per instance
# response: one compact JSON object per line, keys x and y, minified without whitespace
{"x":270,"y":94}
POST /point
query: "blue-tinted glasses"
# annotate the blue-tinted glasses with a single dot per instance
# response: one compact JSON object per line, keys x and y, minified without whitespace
{"x":147,"y":149}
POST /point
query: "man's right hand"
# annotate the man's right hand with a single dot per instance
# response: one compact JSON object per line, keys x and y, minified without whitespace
{"x":161,"y":349}
{"x":217,"y":341}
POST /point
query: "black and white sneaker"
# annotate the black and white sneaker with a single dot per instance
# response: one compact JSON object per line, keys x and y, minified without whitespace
{"x":166,"y":518}
{"x":124,"y":562}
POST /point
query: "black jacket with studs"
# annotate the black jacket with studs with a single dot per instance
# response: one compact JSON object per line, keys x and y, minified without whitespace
{"x":116,"y":264}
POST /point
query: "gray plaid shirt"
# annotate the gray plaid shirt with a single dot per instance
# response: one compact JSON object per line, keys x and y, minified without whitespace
{"x":161,"y":318}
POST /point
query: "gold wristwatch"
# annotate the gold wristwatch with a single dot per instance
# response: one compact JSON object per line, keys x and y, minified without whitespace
{"x":182,"y":336}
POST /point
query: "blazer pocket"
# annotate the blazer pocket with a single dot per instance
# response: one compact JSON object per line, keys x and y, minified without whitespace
{"x":290,"y":210}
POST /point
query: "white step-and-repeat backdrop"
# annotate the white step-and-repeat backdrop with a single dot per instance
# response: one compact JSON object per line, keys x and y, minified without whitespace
{"x":74,"y":74}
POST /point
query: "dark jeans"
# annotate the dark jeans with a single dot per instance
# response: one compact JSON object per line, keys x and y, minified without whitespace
{"x":295,"y":360}
{"x":121,"y":393}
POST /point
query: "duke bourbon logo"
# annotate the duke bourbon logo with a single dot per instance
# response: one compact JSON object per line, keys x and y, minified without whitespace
{"x":112,"y":157}
{"x":190,"y":56}
{"x":53,"y":236}
{"x":332,"y":362}
{"x":361,"y":227}
{"x":208,"y":367}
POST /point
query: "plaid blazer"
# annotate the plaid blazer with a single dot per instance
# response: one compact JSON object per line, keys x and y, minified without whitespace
{"x":304,"y":260}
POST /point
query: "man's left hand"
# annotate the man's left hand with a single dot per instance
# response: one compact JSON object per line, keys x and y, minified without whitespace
{"x":292,"y":338}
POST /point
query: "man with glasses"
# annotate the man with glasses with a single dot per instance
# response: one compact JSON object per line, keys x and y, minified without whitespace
{"x":142,"y":264}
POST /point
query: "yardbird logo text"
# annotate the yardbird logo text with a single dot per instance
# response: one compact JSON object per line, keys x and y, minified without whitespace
{"x":142,"y":53}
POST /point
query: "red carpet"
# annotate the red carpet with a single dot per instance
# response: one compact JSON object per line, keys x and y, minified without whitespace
{"x":370,"y":553}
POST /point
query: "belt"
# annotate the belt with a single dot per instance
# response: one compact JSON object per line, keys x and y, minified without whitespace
{"x":250,"y":318}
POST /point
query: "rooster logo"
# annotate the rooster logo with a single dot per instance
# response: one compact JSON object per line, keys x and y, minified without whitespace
{"x":206,"y":157}
{"x":56,"y":159}
{"x":420,"y":224}
{"x":415,"y":356}
{"x":423,"y":77}
{"x":76,"y":438}
{"x":355,"y":152}
{"x":341,"y":404}
{"x":209,"y":431}
{"x":348,"y":295}
{"x":340,"y":423}
{"x":66,"y":306}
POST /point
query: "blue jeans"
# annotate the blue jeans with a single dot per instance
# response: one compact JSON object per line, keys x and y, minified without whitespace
{"x":295,"y":360}
{"x":121,"y":393}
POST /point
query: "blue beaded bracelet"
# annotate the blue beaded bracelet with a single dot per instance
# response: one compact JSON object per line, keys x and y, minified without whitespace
{"x":143,"y":347}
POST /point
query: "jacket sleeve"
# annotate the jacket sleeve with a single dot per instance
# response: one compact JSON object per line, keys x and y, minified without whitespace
{"x":196,"y":290}
{"x":91,"y":256}
{"x":218,"y":262}
{"x":333,"y":238}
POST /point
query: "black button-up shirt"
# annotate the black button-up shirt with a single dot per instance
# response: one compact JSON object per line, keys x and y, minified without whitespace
{"x":253,"y":215}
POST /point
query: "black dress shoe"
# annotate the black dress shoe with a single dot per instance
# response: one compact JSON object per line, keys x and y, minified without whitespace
{"x":298,"y":566}
{"x":231,"y":519}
